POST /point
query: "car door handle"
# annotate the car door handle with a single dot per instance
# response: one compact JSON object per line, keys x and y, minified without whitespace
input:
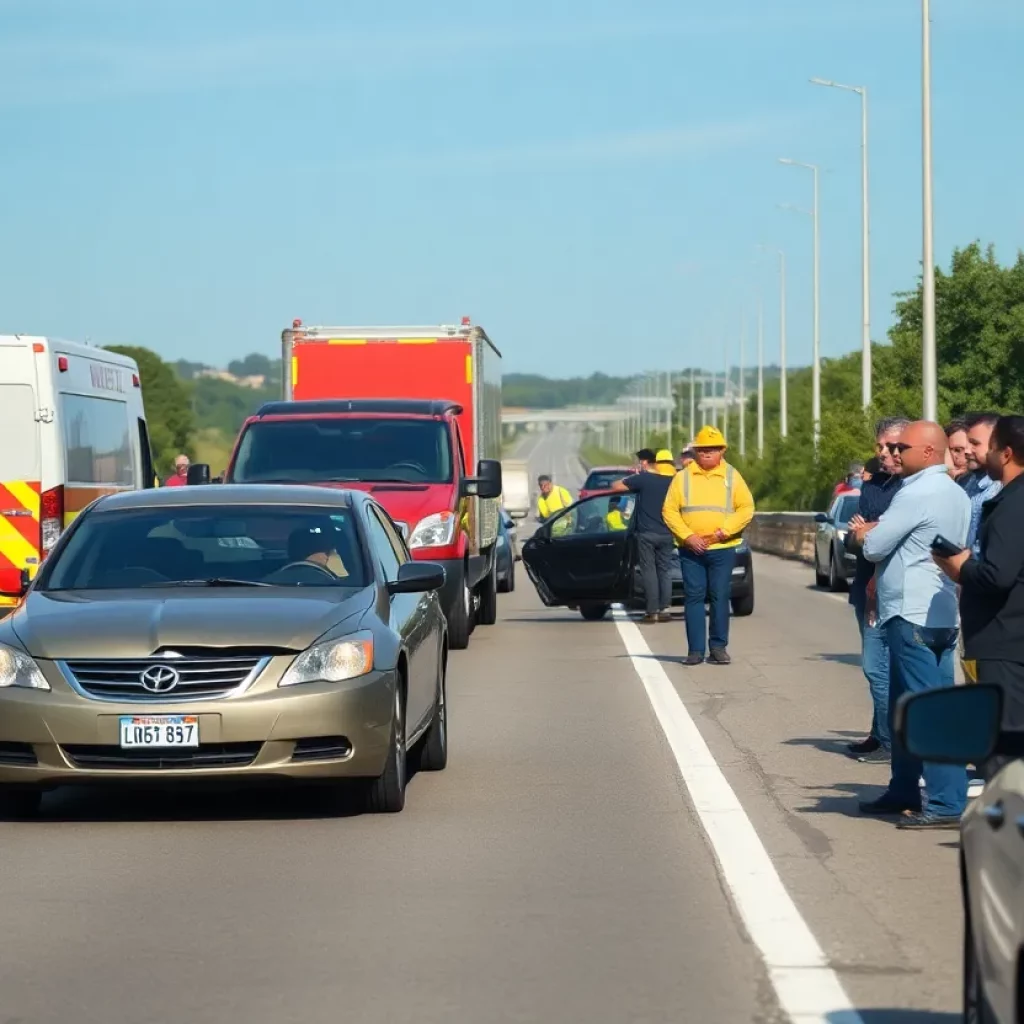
{"x":605,"y":544}
{"x":994,"y":815}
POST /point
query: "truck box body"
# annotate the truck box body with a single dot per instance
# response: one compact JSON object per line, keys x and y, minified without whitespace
{"x":405,"y":413}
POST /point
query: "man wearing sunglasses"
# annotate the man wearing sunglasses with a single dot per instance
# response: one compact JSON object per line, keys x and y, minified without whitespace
{"x":917,"y":607}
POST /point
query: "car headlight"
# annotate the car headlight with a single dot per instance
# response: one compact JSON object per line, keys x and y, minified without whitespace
{"x":436,"y":531}
{"x":333,"y":662}
{"x":18,"y":669}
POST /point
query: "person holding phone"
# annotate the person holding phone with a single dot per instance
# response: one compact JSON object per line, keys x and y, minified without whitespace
{"x":917,"y":607}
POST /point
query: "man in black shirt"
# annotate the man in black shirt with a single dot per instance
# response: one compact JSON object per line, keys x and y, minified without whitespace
{"x":992,"y":580}
{"x":656,"y":548}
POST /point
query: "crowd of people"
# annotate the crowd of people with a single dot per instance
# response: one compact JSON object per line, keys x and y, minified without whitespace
{"x":940,"y":574}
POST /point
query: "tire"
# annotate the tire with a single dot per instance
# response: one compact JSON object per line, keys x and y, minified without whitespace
{"x":836,"y":580}
{"x":594,"y":612}
{"x":511,"y":584}
{"x":386,"y":793}
{"x":743,"y":606}
{"x":459,"y":619}
{"x":433,"y":756}
{"x":487,"y":611}
{"x":976,"y":1006}
{"x":19,"y":804}
{"x":820,"y":578}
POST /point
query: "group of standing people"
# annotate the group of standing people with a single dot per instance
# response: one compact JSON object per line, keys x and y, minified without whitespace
{"x":940,"y":564}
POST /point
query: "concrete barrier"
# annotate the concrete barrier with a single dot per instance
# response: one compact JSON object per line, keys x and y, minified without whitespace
{"x":787,"y":534}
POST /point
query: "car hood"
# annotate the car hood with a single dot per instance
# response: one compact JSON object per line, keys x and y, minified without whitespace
{"x":130,"y":624}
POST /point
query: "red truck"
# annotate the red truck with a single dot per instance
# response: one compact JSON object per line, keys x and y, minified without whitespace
{"x":410,"y":414}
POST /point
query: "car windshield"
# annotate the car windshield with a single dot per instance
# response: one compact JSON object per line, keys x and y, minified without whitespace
{"x":210,"y":546}
{"x":603,"y":479}
{"x":847,"y":509}
{"x":302,"y":450}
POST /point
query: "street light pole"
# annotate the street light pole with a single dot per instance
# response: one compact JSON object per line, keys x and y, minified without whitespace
{"x":865,"y":382}
{"x":784,"y":378}
{"x":742,"y":391}
{"x":760,"y":378}
{"x":693,"y":407}
{"x":816,"y":350}
{"x":929,"y":370}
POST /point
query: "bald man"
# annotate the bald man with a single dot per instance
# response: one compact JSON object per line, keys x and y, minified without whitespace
{"x":917,"y":608}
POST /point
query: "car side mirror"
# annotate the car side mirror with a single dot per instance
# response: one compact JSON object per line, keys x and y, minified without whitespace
{"x":198,"y":474}
{"x":487,"y":482}
{"x":417,"y":578}
{"x":956,"y":725}
{"x":820,"y":517}
{"x":23,"y":584}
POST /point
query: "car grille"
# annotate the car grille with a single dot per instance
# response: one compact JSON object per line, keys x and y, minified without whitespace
{"x":207,"y":755}
{"x":17,"y":753}
{"x":199,"y":677}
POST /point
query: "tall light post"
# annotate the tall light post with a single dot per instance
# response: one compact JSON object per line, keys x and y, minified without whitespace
{"x":760,"y":378}
{"x":742,"y":392}
{"x":865,"y":369}
{"x":693,"y":406}
{"x":816,"y":350}
{"x":725,"y":389}
{"x":929,"y":370}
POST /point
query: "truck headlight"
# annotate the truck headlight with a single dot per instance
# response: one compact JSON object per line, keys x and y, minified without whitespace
{"x":18,"y":669}
{"x":436,"y":531}
{"x":332,"y":662}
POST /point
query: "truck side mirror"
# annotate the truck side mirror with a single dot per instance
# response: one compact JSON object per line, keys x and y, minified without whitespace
{"x":487,"y":482}
{"x":198,"y":474}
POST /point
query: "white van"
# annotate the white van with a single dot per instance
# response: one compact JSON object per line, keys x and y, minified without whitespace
{"x":73,"y":428}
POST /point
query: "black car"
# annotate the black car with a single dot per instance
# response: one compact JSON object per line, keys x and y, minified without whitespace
{"x":585,"y":558}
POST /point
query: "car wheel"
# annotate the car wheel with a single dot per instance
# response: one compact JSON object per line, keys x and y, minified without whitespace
{"x":511,"y":584}
{"x":836,"y":582}
{"x":19,"y":804}
{"x":434,"y":751}
{"x":594,"y":612}
{"x":743,"y":606}
{"x":820,"y":578}
{"x":487,"y":612}
{"x":459,"y":619}
{"x":976,"y":1007}
{"x":386,"y":793}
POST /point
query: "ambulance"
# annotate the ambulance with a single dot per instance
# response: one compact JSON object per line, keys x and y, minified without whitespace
{"x":72,"y":428}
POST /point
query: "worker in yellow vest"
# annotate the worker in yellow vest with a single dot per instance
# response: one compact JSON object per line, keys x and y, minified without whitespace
{"x":707,"y":508}
{"x":552,"y":500}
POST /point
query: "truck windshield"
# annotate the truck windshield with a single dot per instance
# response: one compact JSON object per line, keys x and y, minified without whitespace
{"x":302,"y":450}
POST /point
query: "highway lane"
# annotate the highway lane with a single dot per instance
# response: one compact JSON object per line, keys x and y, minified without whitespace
{"x":556,"y":872}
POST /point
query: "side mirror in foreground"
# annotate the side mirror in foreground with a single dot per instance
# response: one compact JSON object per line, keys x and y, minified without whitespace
{"x":957,"y":725}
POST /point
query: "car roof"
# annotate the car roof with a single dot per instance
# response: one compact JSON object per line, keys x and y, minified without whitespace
{"x":611,"y":469}
{"x":234,"y":494}
{"x":379,"y":406}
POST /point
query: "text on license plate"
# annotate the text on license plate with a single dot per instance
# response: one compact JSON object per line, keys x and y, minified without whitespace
{"x":160,"y":731}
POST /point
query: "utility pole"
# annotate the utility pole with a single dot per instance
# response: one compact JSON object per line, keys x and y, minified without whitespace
{"x":743,"y":390}
{"x":693,"y":406}
{"x":929,"y":369}
{"x":760,"y":378}
{"x":784,"y":378}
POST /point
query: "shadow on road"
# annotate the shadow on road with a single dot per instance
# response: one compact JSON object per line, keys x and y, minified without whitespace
{"x":893,"y":1016}
{"x":842,"y":798}
{"x":839,"y":659}
{"x":833,"y":744}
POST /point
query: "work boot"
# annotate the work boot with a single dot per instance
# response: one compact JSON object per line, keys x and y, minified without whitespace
{"x":719,"y":656}
{"x":694,"y":659}
{"x":664,"y":616}
{"x":868,"y":746}
{"x":649,"y":619}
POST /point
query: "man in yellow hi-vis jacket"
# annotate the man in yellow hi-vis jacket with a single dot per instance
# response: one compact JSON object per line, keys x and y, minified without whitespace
{"x":552,"y":500}
{"x":707,"y":508}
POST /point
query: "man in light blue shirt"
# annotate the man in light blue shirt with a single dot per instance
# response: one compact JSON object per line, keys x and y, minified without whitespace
{"x":977,"y":484}
{"x":917,"y":606}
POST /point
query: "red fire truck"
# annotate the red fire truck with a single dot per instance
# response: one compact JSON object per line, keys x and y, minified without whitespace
{"x":410,"y":414}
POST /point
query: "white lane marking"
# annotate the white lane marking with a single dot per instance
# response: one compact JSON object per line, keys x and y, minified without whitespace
{"x":807,"y":987}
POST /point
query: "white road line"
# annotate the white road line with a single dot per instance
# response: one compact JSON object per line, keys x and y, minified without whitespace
{"x":807,"y":987}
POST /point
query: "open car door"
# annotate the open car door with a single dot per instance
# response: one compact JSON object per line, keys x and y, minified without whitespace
{"x":586,"y":553}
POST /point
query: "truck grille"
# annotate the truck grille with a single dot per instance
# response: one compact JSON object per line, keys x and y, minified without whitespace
{"x":166,"y":680}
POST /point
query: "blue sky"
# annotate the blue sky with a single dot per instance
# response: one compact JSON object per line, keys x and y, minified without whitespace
{"x":587,"y":180}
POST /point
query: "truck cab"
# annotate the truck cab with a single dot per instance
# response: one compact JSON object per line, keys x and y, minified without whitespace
{"x":410,"y":455}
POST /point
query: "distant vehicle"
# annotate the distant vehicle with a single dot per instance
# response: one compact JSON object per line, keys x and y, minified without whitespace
{"x":508,"y":553}
{"x":515,"y":487}
{"x":74,"y":428}
{"x":834,"y":566}
{"x":601,"y":478}
{"x":963,"y":725}
{"x":589,"y":563}
{"x":410,"y":414}
{"x":225,"y":633}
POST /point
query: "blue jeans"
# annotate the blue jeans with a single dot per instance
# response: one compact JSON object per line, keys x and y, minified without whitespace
{"x":921,"y":658}
{"x":874,"y":662}
{"x":707,"y":577}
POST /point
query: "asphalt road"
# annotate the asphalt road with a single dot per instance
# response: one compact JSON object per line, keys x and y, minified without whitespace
{"x":569,"y":866}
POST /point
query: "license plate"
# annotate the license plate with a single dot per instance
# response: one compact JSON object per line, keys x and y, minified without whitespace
{"x":160,"y":731}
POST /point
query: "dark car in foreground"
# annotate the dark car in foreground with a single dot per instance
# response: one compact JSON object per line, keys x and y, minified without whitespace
{"x":585,"y":558}
{"x":225,"y":633}
{"x":964,"y":725}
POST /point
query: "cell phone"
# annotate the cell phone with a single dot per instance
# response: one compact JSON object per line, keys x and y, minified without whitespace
{"x":945,"y":548}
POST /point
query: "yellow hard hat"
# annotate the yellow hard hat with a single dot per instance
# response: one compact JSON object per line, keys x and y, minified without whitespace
{"x":709,"y":437}
{"x":664,"y":455}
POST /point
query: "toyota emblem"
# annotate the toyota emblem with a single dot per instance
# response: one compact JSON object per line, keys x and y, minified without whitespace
{"x":159,"y":678}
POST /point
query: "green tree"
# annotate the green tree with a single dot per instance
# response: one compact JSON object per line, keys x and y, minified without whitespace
{"x":168,"y":406}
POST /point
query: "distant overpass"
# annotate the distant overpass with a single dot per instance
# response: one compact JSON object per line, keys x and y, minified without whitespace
{"x":548,"y":417}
